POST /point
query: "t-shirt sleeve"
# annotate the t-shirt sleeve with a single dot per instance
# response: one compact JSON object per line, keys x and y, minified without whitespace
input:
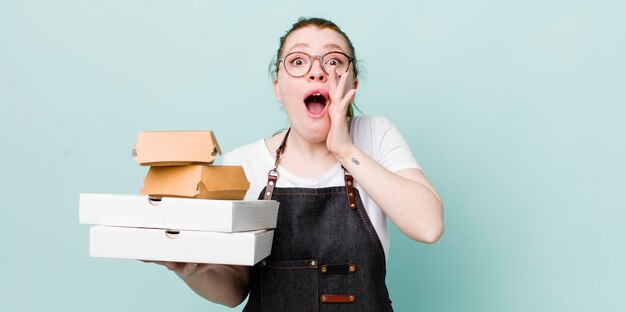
{"x":391,"y":149}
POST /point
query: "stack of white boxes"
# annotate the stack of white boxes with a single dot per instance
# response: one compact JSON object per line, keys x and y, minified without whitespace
{"x":191,"y":211}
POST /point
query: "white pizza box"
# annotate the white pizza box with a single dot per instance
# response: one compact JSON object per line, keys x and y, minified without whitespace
{"x":178,"y":213}
{"x":242,"y":248}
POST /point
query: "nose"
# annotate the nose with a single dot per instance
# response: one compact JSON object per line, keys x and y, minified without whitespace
{"x":317,"y":73}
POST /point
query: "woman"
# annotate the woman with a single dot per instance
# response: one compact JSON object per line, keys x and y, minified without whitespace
{"x":337,"y":178}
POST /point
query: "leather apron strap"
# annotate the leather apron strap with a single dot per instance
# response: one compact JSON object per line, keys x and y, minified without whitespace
{"x":272,"y":175}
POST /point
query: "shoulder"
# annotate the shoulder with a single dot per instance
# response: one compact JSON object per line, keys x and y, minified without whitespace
{"x":380,"y":139}
{"x":368,"y":130}
{"x":371,"y":125}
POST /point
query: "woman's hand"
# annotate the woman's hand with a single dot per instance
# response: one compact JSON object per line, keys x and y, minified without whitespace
{"x":338,"y":140}
{"x":220,"y":283}
{"x":184,"y":269}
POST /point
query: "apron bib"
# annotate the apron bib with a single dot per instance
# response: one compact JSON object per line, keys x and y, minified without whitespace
{"x":326,"y":255}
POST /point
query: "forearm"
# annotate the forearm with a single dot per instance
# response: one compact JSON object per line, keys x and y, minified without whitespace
{"x":407,"y":198}
{"x":227,"y":285}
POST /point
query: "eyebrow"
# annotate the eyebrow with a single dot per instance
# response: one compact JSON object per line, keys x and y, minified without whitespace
{"x":306,"y":45}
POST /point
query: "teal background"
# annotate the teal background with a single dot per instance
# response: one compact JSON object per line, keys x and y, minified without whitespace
{"x":515,"y":110}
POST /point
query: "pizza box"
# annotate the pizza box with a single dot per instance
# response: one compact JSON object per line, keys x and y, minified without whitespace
{"x":177,"y":213}
{"x":242,"y":248}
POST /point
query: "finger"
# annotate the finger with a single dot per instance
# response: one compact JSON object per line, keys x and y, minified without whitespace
{"x":345,"y":100}
{"x":342,"y":85}
{"x":203,"y":268}
{"x":172,"y":266}
{"x":342,"y":106}
{"x":189,"y":269}
{"x":338,"y":86}
{"x":349,"y":98}
{"x":153,"y":261}
{"x":332,"y":79}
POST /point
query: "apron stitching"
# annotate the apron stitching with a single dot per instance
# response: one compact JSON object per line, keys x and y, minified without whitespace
{"x":261,"y":279}
{"x":317,"y":289}
{"x":371,"y":235}
{"x":289,"y":268}
{"x":309,"y":194}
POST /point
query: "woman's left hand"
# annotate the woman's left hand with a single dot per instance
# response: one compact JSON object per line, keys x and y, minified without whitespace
{"x":338,"y":140}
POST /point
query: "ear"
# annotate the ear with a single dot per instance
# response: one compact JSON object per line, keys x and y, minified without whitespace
{"x":277,"y":93}
{"x":355,"y":84}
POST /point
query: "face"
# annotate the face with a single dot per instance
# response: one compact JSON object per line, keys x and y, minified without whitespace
{"x":306,"y":99}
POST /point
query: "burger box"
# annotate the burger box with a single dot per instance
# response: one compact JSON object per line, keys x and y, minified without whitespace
{"x":177,"y":213}
{"x":243,"y":248}
{"x":175,"y":148}
{"x":196,"y":181}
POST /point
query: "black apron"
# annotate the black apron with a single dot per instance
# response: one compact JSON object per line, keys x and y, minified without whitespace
{"x":326,"y":255}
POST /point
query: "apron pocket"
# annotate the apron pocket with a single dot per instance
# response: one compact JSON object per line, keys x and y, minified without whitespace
{"x":288,"y":284}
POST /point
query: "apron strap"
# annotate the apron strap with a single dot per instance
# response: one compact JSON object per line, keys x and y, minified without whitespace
{"x":272,"y":175}
{"x":349,"y":188}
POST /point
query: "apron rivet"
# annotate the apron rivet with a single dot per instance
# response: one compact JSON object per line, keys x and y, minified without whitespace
{"x":323,"y":269}
{"x":271,"y":183}
{"x":352,"y":205}
{"x":349,"y":182}
{"x":323,"y":298}
{"x":263,"y":263}
{"x":268,"y":193}
{"x":352,"y":268}
{"x":313,"y":263}
{"x":351,"y":298}
{"x":350,"y":194}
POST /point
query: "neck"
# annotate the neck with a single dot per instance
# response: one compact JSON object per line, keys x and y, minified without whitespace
{"x":298,"y":145}
{"x":304,"y":158}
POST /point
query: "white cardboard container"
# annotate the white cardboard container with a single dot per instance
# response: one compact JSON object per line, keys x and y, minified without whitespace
{"x":178,"y":213}
{"x":243,"y":248}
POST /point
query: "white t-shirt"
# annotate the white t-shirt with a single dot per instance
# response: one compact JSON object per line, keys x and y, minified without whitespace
{"x":373,"y":135}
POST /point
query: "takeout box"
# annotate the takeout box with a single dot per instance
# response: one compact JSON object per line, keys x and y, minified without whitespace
{"x":177,"y":213}
{"x":175,"y":148}
{"x":194,"y":212}
{"x":242,"y":248}
{"x":196,"y":181}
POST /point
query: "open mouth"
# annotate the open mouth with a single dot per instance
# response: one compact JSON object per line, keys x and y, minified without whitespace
{"x":315,"y":102}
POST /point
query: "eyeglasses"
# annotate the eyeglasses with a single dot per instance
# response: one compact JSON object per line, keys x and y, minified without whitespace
{"x":298,"y":64}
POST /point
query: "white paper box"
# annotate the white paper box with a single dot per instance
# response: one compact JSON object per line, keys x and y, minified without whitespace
{"x":243,"y":248}
{"x":178,"y":213}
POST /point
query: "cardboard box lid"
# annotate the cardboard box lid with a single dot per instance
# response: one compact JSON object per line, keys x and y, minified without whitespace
{"x":186,"y":181}
{"x":177,"y":213}
{"x":167,"y":148}
{"x":246,"y":248}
